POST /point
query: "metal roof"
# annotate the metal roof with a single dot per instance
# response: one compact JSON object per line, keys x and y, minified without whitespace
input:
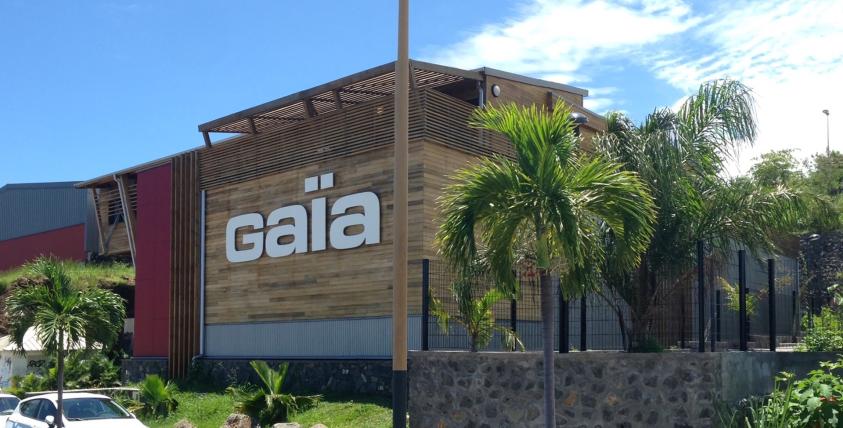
{"x":30,"y":208}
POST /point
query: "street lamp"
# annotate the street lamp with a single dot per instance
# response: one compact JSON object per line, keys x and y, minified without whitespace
{"x":827,"y":140}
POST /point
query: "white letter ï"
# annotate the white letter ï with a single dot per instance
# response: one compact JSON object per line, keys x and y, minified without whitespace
{"x":369,"y":219}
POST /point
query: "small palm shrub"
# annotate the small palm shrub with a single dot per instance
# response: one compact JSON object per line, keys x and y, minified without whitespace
{"x":156,"y":398}
{"x":475,"y":315}
{"x":266,"y":402}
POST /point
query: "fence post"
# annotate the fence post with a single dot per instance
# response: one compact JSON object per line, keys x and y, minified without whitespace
{"x":513,"y":315}
{"x":583,"y":326}
{"x":794,"y":321}
{"x":701,"y":296}
{"x":771,"y":298}
{"x":564,"y":344}
{"x":681,"y":321}
{"x":742,"y":333}
{"x":718,"y":308}
{"x":712,"y":319}
{"x":425,"y":324}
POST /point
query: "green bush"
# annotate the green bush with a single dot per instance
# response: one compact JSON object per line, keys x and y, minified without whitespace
{"x":815,"y":401}
{"x":827,"y":333}
{"x":266,"y":403}
{"x":82,"y":369}
{"x":647,"y":344}
{"x":156,"y":398}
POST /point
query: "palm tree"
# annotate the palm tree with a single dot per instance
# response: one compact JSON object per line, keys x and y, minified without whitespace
{"x":551,"y":199}
{"x":475,"y":314}
{"x":63,"y":317}
{"x":681,"y":157}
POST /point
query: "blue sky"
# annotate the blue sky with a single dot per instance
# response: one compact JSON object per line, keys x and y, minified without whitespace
{"x":90,"y":87}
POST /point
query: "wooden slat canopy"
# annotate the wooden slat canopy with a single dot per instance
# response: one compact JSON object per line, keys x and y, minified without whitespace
{"x":355,"y":89}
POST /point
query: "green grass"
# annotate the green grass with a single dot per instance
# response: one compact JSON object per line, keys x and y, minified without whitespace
{"x":81,"y":274}
{"x":210,"y":409}
{"x":202,"y":409}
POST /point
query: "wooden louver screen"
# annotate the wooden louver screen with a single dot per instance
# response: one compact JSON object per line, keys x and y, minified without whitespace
{"x":184,"y":269}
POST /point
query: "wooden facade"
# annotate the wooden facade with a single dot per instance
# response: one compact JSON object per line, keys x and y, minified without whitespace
{"x":184,"y":264}
{"x":345,"y":128}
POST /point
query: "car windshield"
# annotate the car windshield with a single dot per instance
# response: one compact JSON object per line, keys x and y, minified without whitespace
{"x":8,"y":404}
{"x":82,"y":409}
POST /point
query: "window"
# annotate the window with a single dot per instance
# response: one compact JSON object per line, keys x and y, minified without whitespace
{"x":8,"y":403}
{"x":29,"y":408}
{"x":47,"y":408}
{"x":80,"y":409}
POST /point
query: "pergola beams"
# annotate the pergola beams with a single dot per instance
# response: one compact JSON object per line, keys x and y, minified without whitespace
{"x":333,"y":96}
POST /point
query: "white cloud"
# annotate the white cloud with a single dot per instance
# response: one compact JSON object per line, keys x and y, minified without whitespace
{"x":557,"y":38}
{"x":598,"y":99}
{"x":790,"y":52}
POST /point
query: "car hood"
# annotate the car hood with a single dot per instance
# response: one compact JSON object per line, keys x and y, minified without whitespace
{"x":106,"y":423}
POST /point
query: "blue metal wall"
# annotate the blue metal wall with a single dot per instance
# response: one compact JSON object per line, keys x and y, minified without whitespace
{"x":31,"y":208}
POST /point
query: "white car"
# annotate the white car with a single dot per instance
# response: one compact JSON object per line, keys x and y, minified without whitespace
{"x":81,"y":410}
{"x":7,"y":406}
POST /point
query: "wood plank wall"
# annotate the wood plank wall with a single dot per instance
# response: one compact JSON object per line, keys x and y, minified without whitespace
{"x":108,"y":204}
{"x":184,"y":268}
{"x":333,"y":135}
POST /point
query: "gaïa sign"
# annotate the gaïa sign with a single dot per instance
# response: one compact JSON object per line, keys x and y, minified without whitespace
{"x":285,"y":231}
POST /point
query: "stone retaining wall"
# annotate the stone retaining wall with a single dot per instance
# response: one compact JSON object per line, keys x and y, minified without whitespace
{"x":135,"y":369}
{"x":460,"y":389}
{"x":369,"y":377}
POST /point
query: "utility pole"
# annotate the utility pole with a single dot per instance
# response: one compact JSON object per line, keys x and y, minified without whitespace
{"x":827,"y":138}
{"x":399,"y":228}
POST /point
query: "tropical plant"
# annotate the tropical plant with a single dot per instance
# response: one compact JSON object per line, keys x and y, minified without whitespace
{"x":814,"y":401}
{"x":808,"y":180}
{"x":475,"y":314}
{"x":823,"y":331}
{"x":681,"y":157}
{"x":544,"y":208}
{"x":156,"y":398}
{"x":733,"y":297}
{"x":266,"y":402}
{"x":63,"y":317}
{"x":82,"y":369}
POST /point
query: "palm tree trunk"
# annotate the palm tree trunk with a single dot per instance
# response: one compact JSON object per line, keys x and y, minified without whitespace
{"x":547,"y":333}
{"x":60,"y":381}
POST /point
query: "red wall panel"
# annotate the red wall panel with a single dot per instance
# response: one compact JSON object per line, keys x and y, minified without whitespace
{"x":67,"y":243}
{"x":153,"y":232}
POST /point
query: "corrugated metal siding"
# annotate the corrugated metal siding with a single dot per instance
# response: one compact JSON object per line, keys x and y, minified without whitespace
{"x":26,"y":209}
{"x":339,"y":338}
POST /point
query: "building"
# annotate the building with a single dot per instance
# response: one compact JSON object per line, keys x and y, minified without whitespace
{"x":45,"y":219}
{"x":276,"y":243}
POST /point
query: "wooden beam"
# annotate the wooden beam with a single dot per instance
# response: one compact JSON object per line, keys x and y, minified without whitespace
{"x":309,"y":108}
{"x":337,"y":99}
{"x":252,"y":126}
{"x":93,"y":197}
{"x":465,"y":74}
{"x":292,"y":98}
{"x":128,"y":215}
{"x":207,"y":138}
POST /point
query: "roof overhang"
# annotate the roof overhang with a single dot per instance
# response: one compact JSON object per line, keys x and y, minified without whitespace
{"x":355,"y":89}
{"x":531,"y":80}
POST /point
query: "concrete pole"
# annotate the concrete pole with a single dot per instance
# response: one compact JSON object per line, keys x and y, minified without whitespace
{"x":399,"y":234}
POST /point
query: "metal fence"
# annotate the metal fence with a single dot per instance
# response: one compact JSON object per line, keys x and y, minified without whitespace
{"x":701,"y":310}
